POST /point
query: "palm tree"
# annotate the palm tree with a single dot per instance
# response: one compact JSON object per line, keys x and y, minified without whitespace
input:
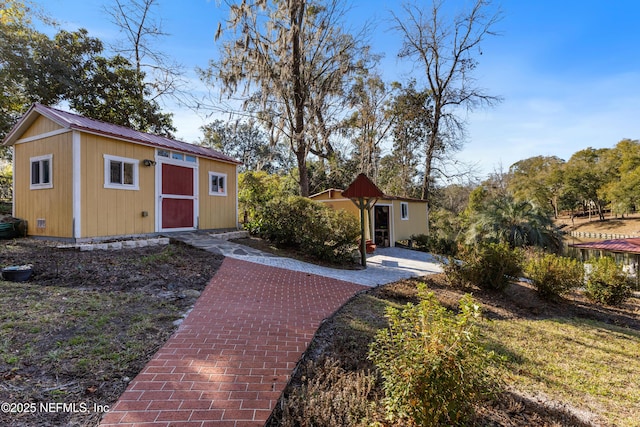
{"x":519,"y":224}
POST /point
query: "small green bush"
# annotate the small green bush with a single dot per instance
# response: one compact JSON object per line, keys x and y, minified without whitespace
{"x":554,"y":275}
{"x":434,"y":369}
{"x":487,"y":265}
{"x":310,"y":227}
{"x":607,"y":283}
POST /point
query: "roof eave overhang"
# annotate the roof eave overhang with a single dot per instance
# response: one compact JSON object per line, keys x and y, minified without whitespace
{"x":148,"y":144}
{"x":34,"y":111}
{"x":26,"y":121}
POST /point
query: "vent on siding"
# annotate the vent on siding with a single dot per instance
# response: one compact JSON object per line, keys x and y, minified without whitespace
{"x":41,"y":223}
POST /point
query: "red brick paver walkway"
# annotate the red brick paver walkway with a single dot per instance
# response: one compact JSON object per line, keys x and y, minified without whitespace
{"x":232,"y":356}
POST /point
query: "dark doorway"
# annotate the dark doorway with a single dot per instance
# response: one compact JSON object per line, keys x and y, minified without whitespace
{"x":381,"y":224}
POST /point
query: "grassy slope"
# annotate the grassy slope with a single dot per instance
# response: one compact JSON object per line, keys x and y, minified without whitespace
{"x":589,"y":364}
{"x":87,"y":322}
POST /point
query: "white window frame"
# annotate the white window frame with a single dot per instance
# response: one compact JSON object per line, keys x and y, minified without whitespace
{"x":226,"y":183}
{"x":404,"y":209}
{"x":107,"y":172}
{"x":41,"y":185}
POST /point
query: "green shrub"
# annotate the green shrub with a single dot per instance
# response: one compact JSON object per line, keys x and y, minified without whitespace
{"x":554,"y":275}
{"x":330,"y":397}
{"x":607,"y":283}
{"x":434,"y":369}
{"x":310,"y":227}
{"x":255,"y":190}
{"x":434,"y":244}
{"x":487,"y":265}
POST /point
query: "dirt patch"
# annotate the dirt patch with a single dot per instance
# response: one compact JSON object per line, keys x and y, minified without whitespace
{"x":75,"y":334}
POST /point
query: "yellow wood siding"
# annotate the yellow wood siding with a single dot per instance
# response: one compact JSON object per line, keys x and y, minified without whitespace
{"x":53,"y":205}
{"x":40,"y":126}
{"x":108,"y":211}
{"x":216,"y":212}
{"x":77,"y":184}
{"x":344,"y":204}
{"x":416,"y":224}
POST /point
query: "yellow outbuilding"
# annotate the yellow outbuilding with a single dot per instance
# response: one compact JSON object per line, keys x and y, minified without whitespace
{"x":389,"y":220}
{"x":81,"y":179}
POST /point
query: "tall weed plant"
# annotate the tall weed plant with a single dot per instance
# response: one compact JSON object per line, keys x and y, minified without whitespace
{"x":331,"y":397}
{"x":433,"y":368}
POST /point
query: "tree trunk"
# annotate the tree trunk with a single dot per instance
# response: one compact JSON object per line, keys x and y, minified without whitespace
{"x":301,"y":156}
{"x":432,"y":143}
{"x":299,"y":141}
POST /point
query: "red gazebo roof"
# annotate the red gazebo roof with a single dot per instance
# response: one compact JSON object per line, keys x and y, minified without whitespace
{"x":362,"y":187}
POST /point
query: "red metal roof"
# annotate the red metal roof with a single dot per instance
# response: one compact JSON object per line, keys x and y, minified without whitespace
{"x":617,"y":245}
{"x":81,"y":123}
{"x":363,"y":187}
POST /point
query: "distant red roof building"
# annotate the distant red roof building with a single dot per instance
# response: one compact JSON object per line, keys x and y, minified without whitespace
{"x":630,"y":246}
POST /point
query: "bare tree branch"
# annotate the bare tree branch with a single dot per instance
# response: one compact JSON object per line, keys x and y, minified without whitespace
{"x":142,"y":30}
{"x":447,"y":51}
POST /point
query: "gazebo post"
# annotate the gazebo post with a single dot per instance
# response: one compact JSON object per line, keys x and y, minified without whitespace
{"x":364,"y":194}
{"x":363,"y":244}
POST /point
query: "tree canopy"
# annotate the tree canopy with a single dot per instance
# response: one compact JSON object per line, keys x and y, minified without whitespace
{"x":70,"y":66}
{"x":247,"y":142}
{"x":313,"y":102}
{"x":289,"y":59}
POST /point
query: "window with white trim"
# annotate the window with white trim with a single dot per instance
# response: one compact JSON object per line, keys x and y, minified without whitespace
{"x":217,"y":184}
{"x":404,"y":210}
{"x":41,"y":172}
{"x":120,"y":173}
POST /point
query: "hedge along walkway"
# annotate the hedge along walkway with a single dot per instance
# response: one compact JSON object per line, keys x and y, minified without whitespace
{"x":230,"y":359}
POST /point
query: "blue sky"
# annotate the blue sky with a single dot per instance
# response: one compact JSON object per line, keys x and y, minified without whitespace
{"x":568,"y":71}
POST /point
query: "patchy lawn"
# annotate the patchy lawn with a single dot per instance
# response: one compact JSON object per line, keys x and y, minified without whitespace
{"x":589,"y":364}
{"x":567,"y":363}
{"x":75,"y":334}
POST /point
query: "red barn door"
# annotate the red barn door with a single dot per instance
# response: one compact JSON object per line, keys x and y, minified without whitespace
{"x":177,"y":197}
